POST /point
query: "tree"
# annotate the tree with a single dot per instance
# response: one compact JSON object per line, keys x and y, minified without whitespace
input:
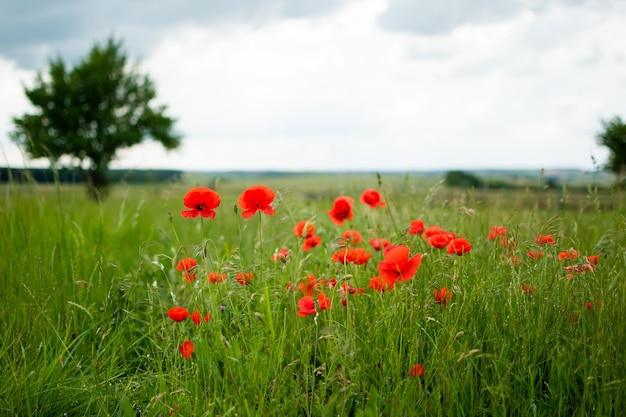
{"x":87,"y":113}
{"x":614,"y":137}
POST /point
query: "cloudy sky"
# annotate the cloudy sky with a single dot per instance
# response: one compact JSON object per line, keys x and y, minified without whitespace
{"x":346,"y":84}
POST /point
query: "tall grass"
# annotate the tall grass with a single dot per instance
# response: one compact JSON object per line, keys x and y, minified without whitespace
{"x":87,"y":288}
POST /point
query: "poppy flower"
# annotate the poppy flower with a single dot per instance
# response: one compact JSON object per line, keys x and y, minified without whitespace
{"x":187,"y":266}
{"x":377,"y":284}
{"x":545,"y":240}
{"x":568,"y":254}
{"x":432,"y":230}
{"x":186,"y":349}
{"x":357,"y":256}
{"x":440,"y":240}
{"x":416,"y":227}
{"x":459,"y":246}
{"x":324,"y":301}
{"x":215,"y":277}
{"x":306,"y":305}
{"x":349,"y":289}
{"x":528,"y":289}
{"x":496,"y":231}
{"x":578,"y":269}
{"x":304,"y":229}
{"x":253,"y":199}
{"x":379,"y":243}
{"x":197,"y":318}
{"x":535,"y":254}
{"x":311,"y":242}
{"x":372,"y":198}
{"x":244,"y":278}
{"x":280,"y":255}
{"x":443,"y":295}
{"x":306,"y":287}
{"x":342,"y":210}
{"x":417,"y":371}
{"x":351,"y":237}
{"x":201,"y":201}
{"x":397,"y":266}
{"x":592,"y":259}
{"x":178,"y":314}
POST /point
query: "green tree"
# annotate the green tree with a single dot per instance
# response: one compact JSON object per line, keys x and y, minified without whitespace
{"x":613,"y":137}
{"x":85,"y":114}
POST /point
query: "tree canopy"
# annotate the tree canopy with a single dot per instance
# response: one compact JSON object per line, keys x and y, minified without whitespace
{"x":89,"y":112}
{"x":614,"y":138}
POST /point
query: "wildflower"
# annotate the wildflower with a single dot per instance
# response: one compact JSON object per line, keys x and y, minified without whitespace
{"x":417,"y":371}
{"x":592,"y":259}
{"x":349,"y":289}
{"x":244,"y":278}
{"x":280,"y":255}
{"x":440,"y":240}
{"x":372,"y":198}
{"x":352,"y":237}
{"x":459,"y":246}
{"x":416,"y":227}
{"x":578,"y":269}
{"x":379,"y":243}
{"x":590,"y":306}
{"x":378,"y":284}
{"x":528,"y":289}
{"x":197,"y":319}
{"x":443,"y":295}
{"x":324,"y":301}
{"x":311,"y":242}
{"x":178,"y":314}
{"x":253,"y":199}
{"x":535,"y":254}
{"x":186,"y":349}
{"x":306,"y":287}
{"x":342,"y":210}
{"x":306,"y":305}
{"x":187,"y":266}
{"x":496,"y":231}
{"x":357,"y":256}
{"x":397,"y":266}
{"x":304,"y":229}
{"x":545,"y":240}
{"x":201,"y":201}
{"x":215,"y":277}
{"x":568,"y":254}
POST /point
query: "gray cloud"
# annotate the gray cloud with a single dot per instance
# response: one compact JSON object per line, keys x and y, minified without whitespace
{"x":32,"y":31}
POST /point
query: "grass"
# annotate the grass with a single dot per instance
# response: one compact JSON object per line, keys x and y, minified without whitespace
{"x":87,"y":287}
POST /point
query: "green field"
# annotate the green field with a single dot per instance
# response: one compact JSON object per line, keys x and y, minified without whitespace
{"x":84,"y":328}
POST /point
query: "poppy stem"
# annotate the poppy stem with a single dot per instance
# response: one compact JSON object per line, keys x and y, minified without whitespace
{"x":260,"y":242}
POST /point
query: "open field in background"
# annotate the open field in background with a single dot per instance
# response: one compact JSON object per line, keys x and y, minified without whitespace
{"x":84,"y":328}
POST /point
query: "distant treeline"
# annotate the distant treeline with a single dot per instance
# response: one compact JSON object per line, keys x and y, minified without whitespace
{"x":66,"y":175}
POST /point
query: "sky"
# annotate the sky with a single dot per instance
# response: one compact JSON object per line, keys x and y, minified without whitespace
{"x":344,"y":85}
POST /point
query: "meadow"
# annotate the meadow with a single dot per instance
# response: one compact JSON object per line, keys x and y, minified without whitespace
{"x":528,"y":322}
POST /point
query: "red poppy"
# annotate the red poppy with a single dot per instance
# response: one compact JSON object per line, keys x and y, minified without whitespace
{"x":311,"y":242}
{"x":186,"y":349}
{"x":379,"y":243}
{"x":349,"y":289}
{"x":578,"y":269}
{"x":342,"y":210}
{"x":527,"y":288}
{"x":197,"y":318}
{"x":377,"y":284}
{"x":304,"y":229}
{"x":201,"y":201}
{"x":416,"y":227}
{"x":307,"y":306}
{"x":351,"y":237}
{"x":187,"y":266}
{"x":253,"y":199}
{"x":178,"y":314}
{"x":244,"y":278}
{"x":372,"y":198}
{"x":324,"y":301}
{"x":459,"y":246}
{"x":397,"y":266}
{"x":496,"y":231}
{"x":535,"y":254}
{"x":592,"y":259}
{"x":568,"y":254}
{"x":431,"y":230}
{"x":215,"y":277}
{"x":440,"y":240}
{"x":443,"y":295}
{"x":280,"y":255}
{"x":545,"y":240}
{"x":306,"y":287}
{"x":357,"y":256}
{"x":417,"y":371}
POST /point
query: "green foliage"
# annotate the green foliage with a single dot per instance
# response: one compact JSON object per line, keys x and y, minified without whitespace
{"x":84,"y":328}
{"x":613,"y":137}
{"x":91,"y":111}
{"x":462,"y":179}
